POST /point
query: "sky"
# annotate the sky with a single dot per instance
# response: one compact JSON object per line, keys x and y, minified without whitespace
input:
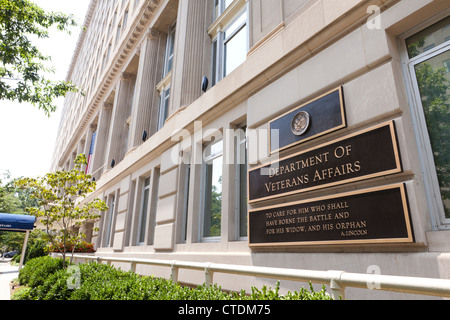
{"x":27,"y":135}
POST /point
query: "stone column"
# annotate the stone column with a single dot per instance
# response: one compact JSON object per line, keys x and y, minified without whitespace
{"x":118,"y":134}
{"x":98,"y":159}
{"x":189,"y":53}
{"x":146,"y":98}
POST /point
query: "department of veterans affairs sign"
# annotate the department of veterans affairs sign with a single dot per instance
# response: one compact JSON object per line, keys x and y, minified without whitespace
{"x":363,"y":155}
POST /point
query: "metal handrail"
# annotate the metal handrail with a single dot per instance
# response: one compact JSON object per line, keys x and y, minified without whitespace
{"x":337,"y":280}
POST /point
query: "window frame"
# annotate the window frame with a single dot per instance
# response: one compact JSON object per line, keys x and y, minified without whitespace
{"x":242,"y":140}
{"x":227,"y":40}
{"x":169,"y":49}
{"x":163,"y":86}
{"x":217,"y":32}
{"x":186,"y":181}
{"x":203,"y":199}
{"x":426,"y":158}
{"x":144,"y":188}
{"x":163,"y":111}
{"x":109,"y":221}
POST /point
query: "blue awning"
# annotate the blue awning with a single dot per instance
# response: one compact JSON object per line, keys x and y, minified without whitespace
{"x":16,"y":222}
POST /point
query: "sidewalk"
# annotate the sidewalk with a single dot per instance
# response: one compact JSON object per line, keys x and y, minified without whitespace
{"x":7,"y":273}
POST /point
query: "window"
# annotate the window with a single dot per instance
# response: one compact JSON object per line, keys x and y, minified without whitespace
{"x":170,"y":45}
{"x":164,"y":85}
{"x":428,"y":53}
{"x":235,"y":44}
{"x":125,"y":19}
{"x":212,"y":190}
{"x":220,"y":6}
{"x":230,"y":37}
{"x":119,"y":30}
{"x":241,"y":182}
{"x":145,"y":196}
{"x":163,"y":108}
{"x":186,"y":181}
{"x":109,"y":221}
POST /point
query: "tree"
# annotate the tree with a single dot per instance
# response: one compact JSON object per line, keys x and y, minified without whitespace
{"x":22,"y":66}
{"x":60,"y":204}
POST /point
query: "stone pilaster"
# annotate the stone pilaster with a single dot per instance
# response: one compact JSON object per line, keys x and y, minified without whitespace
{"x":189,"y":55}
{"x":146,"y":98}
{"x":98,"y":159}
{"x":118,"y":134}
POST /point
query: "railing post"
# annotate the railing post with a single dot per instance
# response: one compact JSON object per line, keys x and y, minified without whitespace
{"x":174,"y":272}
{"x":133,"y":266}
{"x":336,"y":287}
{"x":208,"y":275}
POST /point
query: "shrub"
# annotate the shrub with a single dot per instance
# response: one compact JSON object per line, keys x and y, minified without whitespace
{"x":104,"y":282}
{"x":37,"y":270}
{"x":22,"y":294}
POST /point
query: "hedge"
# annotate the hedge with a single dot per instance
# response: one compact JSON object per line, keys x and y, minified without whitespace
{"x":47,"y":280}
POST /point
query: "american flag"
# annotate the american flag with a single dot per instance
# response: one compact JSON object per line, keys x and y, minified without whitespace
{"x":91,"y":152}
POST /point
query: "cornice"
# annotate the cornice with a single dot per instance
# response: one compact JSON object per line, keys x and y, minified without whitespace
{"x":82,"y":37}
{"x":113,"y":71}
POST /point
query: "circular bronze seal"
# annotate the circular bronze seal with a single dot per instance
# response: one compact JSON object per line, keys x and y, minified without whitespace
{"x":300,"y":123}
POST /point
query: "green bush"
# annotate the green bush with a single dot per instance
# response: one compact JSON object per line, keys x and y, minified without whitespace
{"x":22,"y":294}
{"x":104,"y":282}
{"x":37,"y":270}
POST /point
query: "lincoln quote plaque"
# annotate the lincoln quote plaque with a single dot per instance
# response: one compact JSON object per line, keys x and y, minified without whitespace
{"x":371,"y":216}
{"x":363,"y":155}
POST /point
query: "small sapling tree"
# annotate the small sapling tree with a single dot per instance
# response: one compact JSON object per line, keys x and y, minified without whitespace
{"x":61,"y":207}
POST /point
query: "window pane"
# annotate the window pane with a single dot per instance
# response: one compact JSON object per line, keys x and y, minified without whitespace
{"x":214,"y":64}
{"x":144,"y":211}
{"x":170,"y":45}
{"x":235,"y":51}
{"x":213,"y":198}
{"x":187,"y":176}
{"x":242,"y":167}
{"x":235,"y":25}
{"x":164,"y":108}
{"x":429,"y":38}
{"x":110,"y":222}
{"x":227,"y":3}
{"x":434,"y":85}
{"x":216,"y":9}
{"x":214,"y":149}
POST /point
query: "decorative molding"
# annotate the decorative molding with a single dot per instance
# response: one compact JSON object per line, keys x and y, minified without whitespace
{"x":153,"y":33}
{"x":226,"y":18}
{"x":107,"y":105}
{"x":125,"y":76}
{"x":82,"y":37}
{"x":112,"y":71}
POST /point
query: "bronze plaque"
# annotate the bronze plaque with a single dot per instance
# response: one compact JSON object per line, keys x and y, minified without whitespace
{"x":320,"y":116}
{"x":363,"y":155}
{"x":371,"y":216}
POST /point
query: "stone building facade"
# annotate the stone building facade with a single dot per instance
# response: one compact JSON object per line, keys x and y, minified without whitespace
{"x":181,"y":99}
